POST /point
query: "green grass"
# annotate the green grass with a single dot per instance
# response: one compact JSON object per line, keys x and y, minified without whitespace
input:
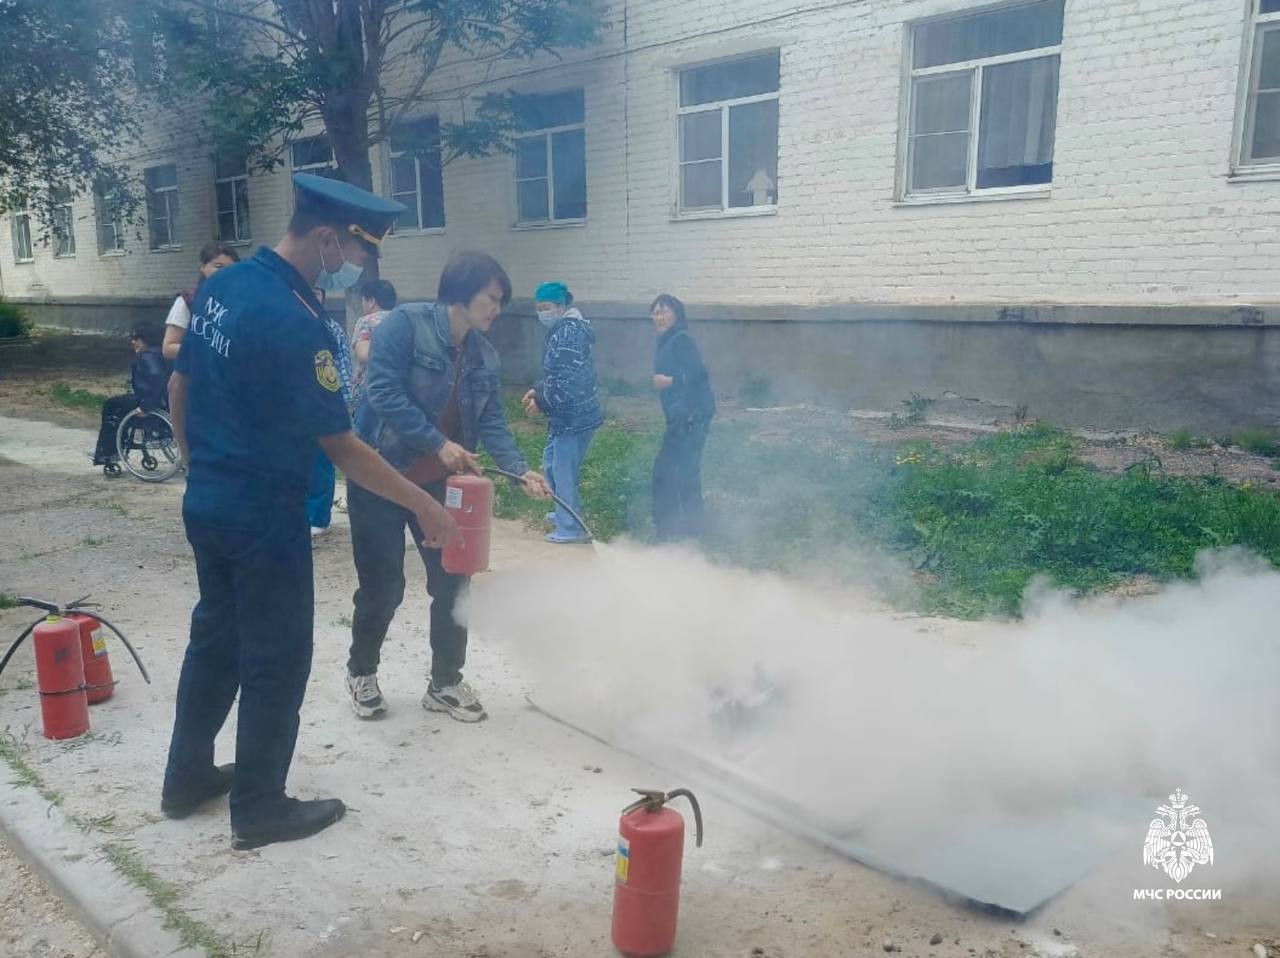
{"x":1258,"y":441}
{"x":1185,"y":439}
{"x":756,"y":392}
{"x":974,"y":524}
{"x":64,"y":395}
{"x":8,"y":601}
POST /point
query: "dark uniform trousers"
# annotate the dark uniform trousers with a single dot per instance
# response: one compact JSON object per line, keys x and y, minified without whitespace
{"x":677,"y":482}
{"x":251,"y":631}
{"x":377,"y":544}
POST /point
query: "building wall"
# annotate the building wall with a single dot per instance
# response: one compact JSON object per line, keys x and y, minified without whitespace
{"x":1143,"y":210}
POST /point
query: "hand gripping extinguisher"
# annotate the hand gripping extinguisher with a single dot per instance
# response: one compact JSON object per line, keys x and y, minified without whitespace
{"x":646,"y":894}
{"x":64,"y":640}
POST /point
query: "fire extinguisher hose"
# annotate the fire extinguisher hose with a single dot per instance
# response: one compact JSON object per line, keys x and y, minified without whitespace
{"x":77,"y":606}
{"x":564,"y":505}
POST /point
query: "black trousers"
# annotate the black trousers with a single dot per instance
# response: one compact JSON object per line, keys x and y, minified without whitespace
{"x":377,"y":543}
{"x":677,"y":482}
{"x":114,"y":409}
{"x":251,"y":631}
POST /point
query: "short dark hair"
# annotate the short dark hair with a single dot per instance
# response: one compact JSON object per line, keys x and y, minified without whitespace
{"x":151,"y":334}
{"x":307,"y":217}
{"x":211,"y":251}
{"x":381,"y":292}
{"x":467,"y":273}
{"x":673,"y":304}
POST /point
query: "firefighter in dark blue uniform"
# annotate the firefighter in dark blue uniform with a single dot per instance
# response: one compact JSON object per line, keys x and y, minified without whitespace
{"x":255,"y":390}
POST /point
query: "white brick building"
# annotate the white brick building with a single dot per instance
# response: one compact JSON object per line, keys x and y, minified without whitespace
{"x":940,"y":166}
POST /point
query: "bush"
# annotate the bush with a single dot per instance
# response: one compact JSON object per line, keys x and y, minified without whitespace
{"x":14,"y":321}
{"x":1186,"y":439}
{"x":1258,"y":441}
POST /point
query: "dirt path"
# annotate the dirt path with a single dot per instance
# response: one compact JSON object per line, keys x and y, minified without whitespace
{"x":491,"y":841}
{"x":34,"y":922}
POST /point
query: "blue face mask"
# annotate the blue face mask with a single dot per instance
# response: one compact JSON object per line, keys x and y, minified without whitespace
{"x":348,"y":275}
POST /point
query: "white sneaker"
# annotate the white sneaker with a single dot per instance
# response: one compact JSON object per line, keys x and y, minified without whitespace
{"x":457,"y":700}
{"x":318,"y":531}
{"x":366,"y":698}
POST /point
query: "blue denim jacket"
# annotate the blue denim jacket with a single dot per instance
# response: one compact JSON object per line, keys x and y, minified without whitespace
{"x":412,"y":361}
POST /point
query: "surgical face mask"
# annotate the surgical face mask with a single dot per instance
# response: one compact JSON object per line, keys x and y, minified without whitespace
{"x":347,"y":275}
{"x":548,"y":317}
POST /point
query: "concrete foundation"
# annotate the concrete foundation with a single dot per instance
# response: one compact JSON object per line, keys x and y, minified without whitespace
{"x":1209,"y":369}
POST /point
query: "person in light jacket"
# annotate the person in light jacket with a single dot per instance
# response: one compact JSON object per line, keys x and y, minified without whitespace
{"x":570,"y":399}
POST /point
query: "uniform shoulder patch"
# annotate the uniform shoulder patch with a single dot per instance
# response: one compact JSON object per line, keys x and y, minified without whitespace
{"x":327,"y":371}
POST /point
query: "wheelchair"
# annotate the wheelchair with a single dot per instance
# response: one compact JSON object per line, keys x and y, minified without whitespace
{"x":146,"y":447}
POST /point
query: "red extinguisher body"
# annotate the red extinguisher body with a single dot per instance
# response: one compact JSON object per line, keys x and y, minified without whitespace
{"x":646,"y":893}
{"x":469,"y":500}
{"x":64,"y":707}
{"x":97,"y":663}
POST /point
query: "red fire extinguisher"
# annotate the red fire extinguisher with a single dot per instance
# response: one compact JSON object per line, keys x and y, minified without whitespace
{"x":64,"y":706}
{"x":469,"y":500}
{"x":98,"y":680}
{"x":646,"y":894}
{"x":59,"y":640}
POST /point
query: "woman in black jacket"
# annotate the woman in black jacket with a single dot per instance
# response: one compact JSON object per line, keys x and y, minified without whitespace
{"x":688,"y":405}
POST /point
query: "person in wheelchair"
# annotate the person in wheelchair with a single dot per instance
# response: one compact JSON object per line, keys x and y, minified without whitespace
{"x":149,"y":378}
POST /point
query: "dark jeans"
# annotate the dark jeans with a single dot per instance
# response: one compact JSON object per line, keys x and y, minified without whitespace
{"x":677,"y":482}
{"x":114,"y":409}
{"x":377,"y":542}
{"x":252,"y":631}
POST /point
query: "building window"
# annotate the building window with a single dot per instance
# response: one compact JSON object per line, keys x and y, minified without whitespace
{"x":1261,"y":141}
{"x":417,"y":177}
{"x":231,"y":186}
{"x":23,"y":251}
{"x":728,"y":134}
{"x":551,"y":158}
{"x":983,"y":100}
{"x":313,"y":154}
{"x":109,"y":224}
{"x":162,"y":205}
{"x":64,"y":225}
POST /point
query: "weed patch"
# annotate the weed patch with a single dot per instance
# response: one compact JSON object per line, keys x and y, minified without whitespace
{"x":64,"y":395}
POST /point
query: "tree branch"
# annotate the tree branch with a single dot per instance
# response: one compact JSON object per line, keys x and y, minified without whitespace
{"x":246,"y":17}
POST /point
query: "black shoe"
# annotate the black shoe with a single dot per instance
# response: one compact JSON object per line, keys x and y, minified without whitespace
{"x":182,"y":803}
{"x":292,"y":820}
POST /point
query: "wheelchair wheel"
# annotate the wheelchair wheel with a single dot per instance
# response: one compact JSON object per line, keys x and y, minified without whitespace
{"x":146,"y":446}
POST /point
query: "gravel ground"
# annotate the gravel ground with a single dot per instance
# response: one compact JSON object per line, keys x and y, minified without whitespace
{"x":34,"y":922}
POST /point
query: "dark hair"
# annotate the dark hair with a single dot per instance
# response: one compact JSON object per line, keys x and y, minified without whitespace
{"x":467,"y":274}
{"x":673,"y":304}
{"x":381,"y":292}
{"x":211,"y":251}
{"x":151,"y":335}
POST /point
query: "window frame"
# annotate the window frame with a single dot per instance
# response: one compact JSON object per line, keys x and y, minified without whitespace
{"x":170,"y":219}
{"x":316,"y":168}
{"x":102,"y":206}
{"x":25,"y":216}
{"x":64,"y":247}
{"x":679,"y":211}
{"x":975,"y":67}
{"x":235,"y":211}
{"x":547,"y":135}
{"x":1257,"y":26}
{"x":391,"y":156}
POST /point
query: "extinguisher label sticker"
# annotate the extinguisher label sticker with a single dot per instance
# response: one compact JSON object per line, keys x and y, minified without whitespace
{"x":99,"y":643}
{"x":453,"y":498}
{"x":624,"y":859}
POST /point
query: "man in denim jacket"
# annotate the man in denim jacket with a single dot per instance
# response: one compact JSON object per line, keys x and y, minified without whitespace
{"x":432,"y":396}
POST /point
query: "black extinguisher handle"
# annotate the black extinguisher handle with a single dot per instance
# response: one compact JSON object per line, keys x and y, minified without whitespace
{"x":697,"y":810}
